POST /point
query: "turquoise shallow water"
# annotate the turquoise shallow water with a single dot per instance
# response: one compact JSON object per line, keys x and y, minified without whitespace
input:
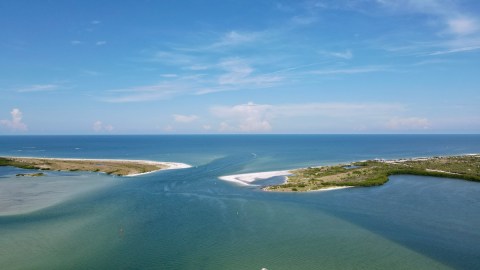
{"x":188,"y":219}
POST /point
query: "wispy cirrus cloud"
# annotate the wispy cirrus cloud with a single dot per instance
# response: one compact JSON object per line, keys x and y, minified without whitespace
{"x":252,"y":117}
{"x":456,"y":50}
{"x":347,"y":54}
{"x":229,"y":74}
{"x":174,"y":58}
{"x":350,"y":70}
{"x":239,"y":72}
{"x":459,"y":29}
{"x":39,"y":88}
{"x":145,"y":93}
{"x":454,"y":20}
{"x":235,"y":38}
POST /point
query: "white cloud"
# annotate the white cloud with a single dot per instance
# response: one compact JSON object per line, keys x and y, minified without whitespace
{"x":184,"y":118}
{"x":253,"y":117}
{"x":411,"y":123}
{"x":98,"y":126}
{"x":248,"y":117}
{"x":101,"y":43}
{"x":462,"y":25}
{"x":76,"y":42}
{"x":39,"y":88}
{"x":225,"y":127}
{"x":95,"y":22}
{"x":15,"y":124}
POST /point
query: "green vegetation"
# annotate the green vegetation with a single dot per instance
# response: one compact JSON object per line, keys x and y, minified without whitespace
{"x":376,"y":172}
{"x":112,"y":167}
{"x":31,"y":174}
{"x":14,"y":163}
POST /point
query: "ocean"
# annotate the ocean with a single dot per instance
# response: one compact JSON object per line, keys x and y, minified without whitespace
{"x":189,"y":219}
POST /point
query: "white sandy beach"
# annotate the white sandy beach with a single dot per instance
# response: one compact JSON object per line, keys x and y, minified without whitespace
{"x":171,"y":166}
{"x":330,"y":188}
{"x":247,"y":178}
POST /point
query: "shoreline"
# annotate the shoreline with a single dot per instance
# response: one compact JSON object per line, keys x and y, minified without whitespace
{"x":334,"y":177}
{"x":246,"y":179}
{"x":120,"y":167}
{"x":172,"y":166}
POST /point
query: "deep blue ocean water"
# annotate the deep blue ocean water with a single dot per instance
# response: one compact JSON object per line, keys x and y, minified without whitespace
{"x":189,"y":219}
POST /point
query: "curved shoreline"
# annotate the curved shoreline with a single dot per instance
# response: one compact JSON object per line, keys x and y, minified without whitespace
{"x":365,"y":173}
{"x":120,"y":167}
{"x":246,"y":179}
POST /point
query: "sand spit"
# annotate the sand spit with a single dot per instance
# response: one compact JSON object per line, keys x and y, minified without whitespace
{"x":120,"y":167}
{"x":247,"y":178}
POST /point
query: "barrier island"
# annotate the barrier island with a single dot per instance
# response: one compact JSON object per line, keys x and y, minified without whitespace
{"x":108,"y":166}
{"x":375,"y":172}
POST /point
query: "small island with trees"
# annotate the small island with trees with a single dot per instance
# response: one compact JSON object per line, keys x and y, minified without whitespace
{"x":376,"y":172}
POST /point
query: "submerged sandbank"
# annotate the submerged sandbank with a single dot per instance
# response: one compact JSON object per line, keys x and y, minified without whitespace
{"x":120,"y":167}
{"x":24,"y":194}
{"x":21,"y":193}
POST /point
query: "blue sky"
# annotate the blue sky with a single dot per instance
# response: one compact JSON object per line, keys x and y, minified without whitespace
{"x":168,"y":67}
